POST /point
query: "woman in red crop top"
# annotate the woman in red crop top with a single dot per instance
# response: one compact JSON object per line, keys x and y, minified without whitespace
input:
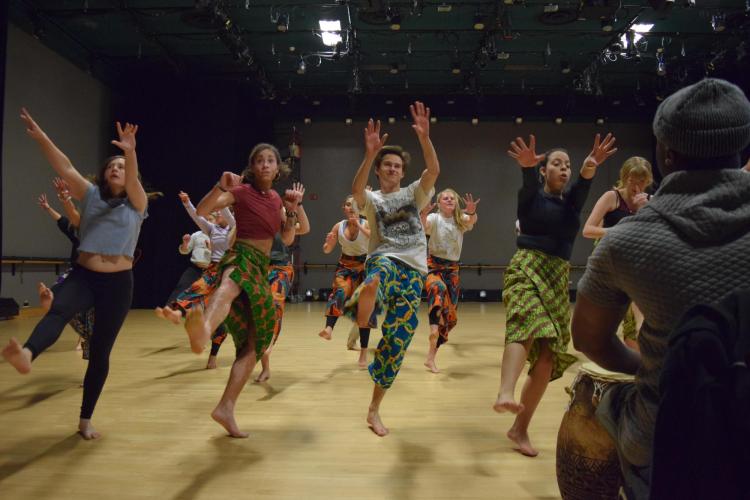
{"x":244,"y":298}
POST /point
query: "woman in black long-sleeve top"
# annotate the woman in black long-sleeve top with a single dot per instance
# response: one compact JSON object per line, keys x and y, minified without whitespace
{"x":535,"y":290}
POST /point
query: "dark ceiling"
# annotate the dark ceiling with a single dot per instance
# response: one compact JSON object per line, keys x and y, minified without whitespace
{"x":515,"y":61}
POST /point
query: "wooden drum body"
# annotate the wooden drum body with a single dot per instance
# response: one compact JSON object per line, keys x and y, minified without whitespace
{"x":587,"y":463}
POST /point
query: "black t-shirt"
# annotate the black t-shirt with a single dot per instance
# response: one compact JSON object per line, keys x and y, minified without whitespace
{"x":550,"y":223}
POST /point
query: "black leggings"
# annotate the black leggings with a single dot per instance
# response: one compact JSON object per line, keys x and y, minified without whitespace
{"x":111,"y":295}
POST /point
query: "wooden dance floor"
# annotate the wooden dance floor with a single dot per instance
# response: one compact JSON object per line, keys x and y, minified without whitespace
{"x":308,"y":437}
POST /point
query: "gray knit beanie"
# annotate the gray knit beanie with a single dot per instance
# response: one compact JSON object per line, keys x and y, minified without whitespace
{"x":708,"y":119}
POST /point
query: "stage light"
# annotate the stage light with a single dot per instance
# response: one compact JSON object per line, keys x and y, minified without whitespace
{"x":558,"y":121}
{"x":391,"y":120}
{"x":308,"y":121}
{"x":600,"y":121}
{"x":348,"y":121}
{"x":519,"y":120}
{"x":475,"y":121}
{"x":456,"y":68}
{"x":433,"y":119}
{"x":301,"y":66}
{"x":282,"y":23}
{"x":565,"y":67}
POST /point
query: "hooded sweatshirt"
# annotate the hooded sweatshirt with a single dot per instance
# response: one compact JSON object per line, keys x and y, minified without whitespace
{"x":689,"y":245}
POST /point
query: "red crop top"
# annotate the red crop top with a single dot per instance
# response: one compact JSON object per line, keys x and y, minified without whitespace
{"x":258,"y":214}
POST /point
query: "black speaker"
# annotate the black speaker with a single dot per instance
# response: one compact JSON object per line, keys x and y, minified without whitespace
{"x":8,"y":308}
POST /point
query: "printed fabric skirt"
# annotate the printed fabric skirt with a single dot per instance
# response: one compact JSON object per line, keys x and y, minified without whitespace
{"x":537,"y":305}
{"x":350,"y":272}
{"x":280,"y":277}
{"x":200,"y":290}
{"x":399,"y":294}
{"x":252,"y":315}
{"x":442,"y":286}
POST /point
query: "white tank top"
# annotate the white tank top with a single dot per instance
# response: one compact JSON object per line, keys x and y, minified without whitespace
{"x":352,"y":248}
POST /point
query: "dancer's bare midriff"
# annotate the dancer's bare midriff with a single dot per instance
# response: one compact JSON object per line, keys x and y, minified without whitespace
{"x":104,"y":263}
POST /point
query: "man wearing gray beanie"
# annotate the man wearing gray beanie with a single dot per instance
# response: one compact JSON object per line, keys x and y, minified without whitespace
{"x":666,"y":259}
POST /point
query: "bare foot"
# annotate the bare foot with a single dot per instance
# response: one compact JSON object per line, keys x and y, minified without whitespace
{"x":326,"y":333}
{"x":159,"y":313}
{"x":86,"y":430}
{"x":79,"y":344}
{"x":18,"y":356}
{"x":172,"y":315}
{"x":225,"y":417}
{"x":430,"y":364}
{"x":264,"y":375}
{"x":524,"y":444}
{"x":195,"y":326}
{"x":362,"y":361}
{"x":45,"y":297}
{"x":504,"y":404}
{"x":374,"y":423}
{"x":211,"y":365}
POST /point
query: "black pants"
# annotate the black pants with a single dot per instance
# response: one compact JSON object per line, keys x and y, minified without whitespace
{"x":190,"y":274}
{"x":111,"y":295}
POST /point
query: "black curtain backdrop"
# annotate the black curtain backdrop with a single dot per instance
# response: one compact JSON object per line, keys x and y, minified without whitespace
{"x":189,"y":133}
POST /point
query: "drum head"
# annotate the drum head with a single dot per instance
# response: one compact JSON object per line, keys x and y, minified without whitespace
{"x":598,"y":372}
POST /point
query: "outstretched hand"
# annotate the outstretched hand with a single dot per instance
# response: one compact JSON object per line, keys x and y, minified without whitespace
{"x":471,"y":204}
{"x":34,"y":130}
{"x":331,"y":238}
{"x":428,"y":208}
{"x":126,"y":137}
{"x":421,"y":116}
{"x":525,"y":155}
{"x":62,"y":188}
{"x":43,"y":201}
{"x":184,"y":198}
{"x":602,"y":150}
{"x":374,"y":142}
{"x":296,"y":194}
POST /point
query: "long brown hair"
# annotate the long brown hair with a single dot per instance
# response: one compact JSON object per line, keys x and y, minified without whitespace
{"x":247,"y":175}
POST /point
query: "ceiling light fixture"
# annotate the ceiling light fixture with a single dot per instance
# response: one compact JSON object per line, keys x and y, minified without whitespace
{"x":479,"y":21}
{"x":301,"y":66}
{"x":282,"y":23}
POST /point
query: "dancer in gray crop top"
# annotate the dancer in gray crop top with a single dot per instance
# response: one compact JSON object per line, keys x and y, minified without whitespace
{"x":112,"y":210}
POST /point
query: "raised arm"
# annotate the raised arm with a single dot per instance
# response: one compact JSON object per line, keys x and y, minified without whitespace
{"x":229,"y":217}
{"x":374,"y":142}
{"x":421,"y":115}
{"x":303,"y":223}
{"x":331,"y":239}
{"x":133,"y":187}
{"x":56,"y":158}
{"x":219,"y":197}
{"x":63,"y":194}
{"x":187,"y":244}
{"x":602,"y":150}
{"x":44,"y":205}
{"x":527,"y":159}
{"x":593,"y":228}
{"x":201,"y":222}
{"x":471,"y":211}
{"x":426,"y":225}
{"x":364,"y":226}
{"x":579,"y":190}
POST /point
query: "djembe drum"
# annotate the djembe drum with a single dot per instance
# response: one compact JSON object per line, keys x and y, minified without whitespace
{"x":587,"y":463}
